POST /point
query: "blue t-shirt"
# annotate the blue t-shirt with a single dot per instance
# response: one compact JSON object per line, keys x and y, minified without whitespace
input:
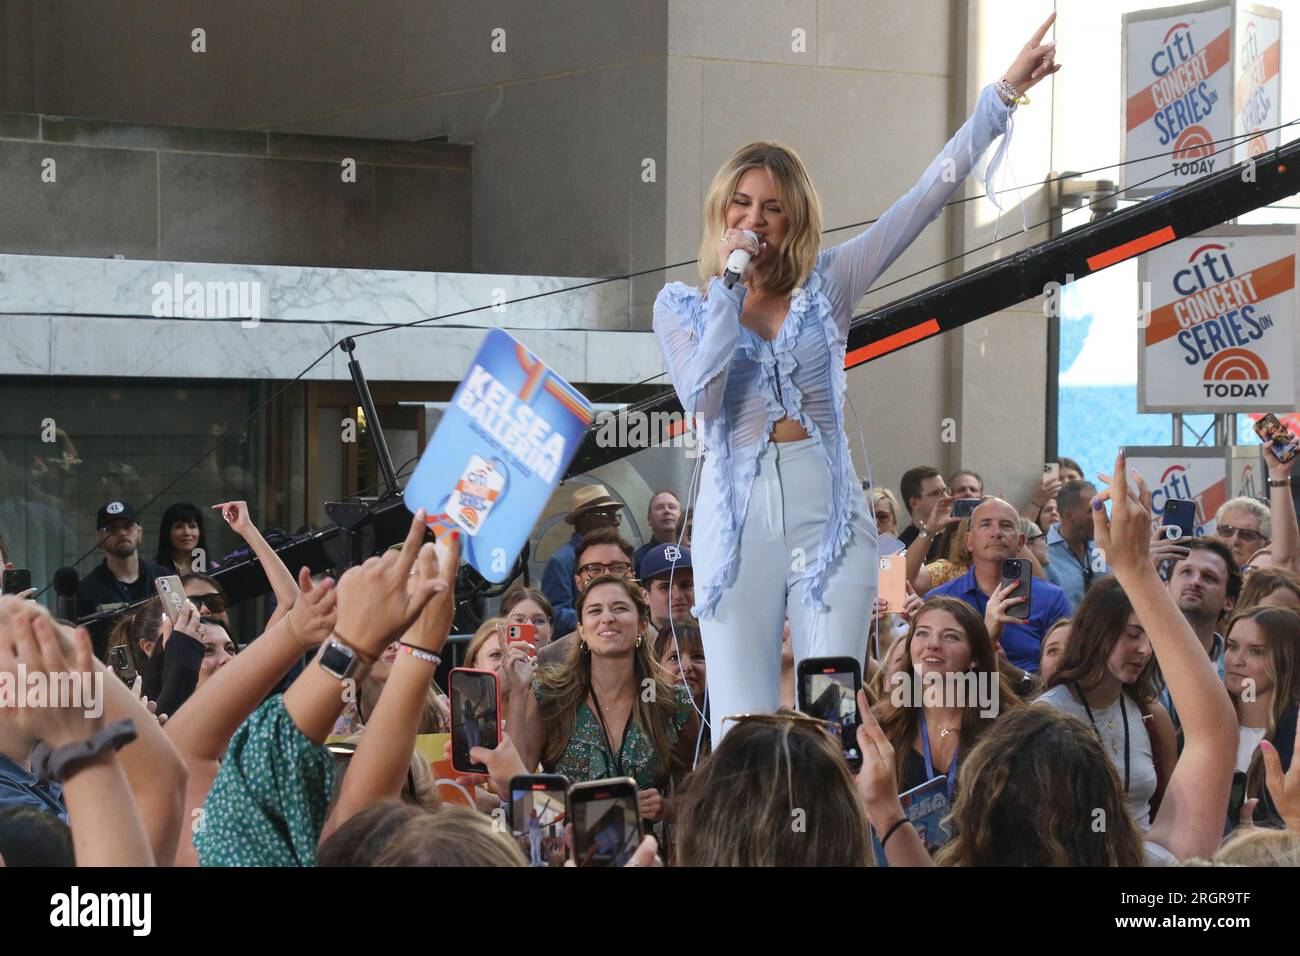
{"x":1022,"y":642}
{"x":19,"y":787}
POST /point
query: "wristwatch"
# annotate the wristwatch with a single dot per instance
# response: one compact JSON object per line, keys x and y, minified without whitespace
{"x":338,"y":660}
{"x":58,"y":765}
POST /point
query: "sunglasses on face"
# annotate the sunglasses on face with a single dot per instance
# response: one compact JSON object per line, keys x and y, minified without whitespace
{"x":212,"y":602}
{"x":1245,"y":534}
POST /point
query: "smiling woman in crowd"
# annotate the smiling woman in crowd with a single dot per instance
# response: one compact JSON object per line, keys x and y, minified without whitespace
{"x":608,"y":710}
{"x":1261,"y":661}
{"x":949,"y":646}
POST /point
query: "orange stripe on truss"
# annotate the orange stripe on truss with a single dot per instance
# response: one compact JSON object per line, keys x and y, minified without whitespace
{"x":890,"y":343}
{"x":1131,"y":248}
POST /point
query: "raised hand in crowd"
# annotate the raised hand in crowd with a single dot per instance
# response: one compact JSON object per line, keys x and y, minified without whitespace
{"x":995,"y":613}
{"x":137,"y":689}
{"x":1190,"y":822}
{"x":281,"y":579}
{"x":202,"y":728}
{"x":375,"y":607}
{"x":1048,"y":488}
{"x":107,"y":829}
{"x":1163,"y":548}
{"x":379,"y":766}
{"x":1283,"y":788}
{"x":877,"y":784}
{"x":1286,"y":534}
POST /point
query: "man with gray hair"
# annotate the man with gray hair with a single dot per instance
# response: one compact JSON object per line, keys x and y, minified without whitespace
{"x":1245,"y":524}
{"x":1074,"y":563}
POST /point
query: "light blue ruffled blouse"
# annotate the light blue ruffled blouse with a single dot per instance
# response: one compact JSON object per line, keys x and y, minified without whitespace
{"x":739,"y":384}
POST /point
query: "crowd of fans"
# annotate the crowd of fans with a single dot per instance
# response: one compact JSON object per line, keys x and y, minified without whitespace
{"x":1143,"y":711}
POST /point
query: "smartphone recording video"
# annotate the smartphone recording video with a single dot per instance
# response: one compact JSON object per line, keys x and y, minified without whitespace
{"x":475,"y":716}
{"x":172,"y":594}
{"x":827,"y":688}
{"x":1017,"y":569}
{"x":538,"y":814}
{"x":1272,"y":432}
{"x":965,"y":507}
{"x":15,"y":580}
{"x":523,"y":632}
{"x":606,"y":821}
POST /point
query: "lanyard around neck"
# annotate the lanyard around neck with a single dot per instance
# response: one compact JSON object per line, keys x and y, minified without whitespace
{"x":1123,"y":713}
{"x":951,"y":775}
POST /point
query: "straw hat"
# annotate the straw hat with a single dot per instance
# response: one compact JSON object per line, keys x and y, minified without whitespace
{"x":590,"y":498}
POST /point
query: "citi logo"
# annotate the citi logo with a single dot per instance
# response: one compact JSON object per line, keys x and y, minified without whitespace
{"x":1173,"y":484}
{"x":103,"y":909}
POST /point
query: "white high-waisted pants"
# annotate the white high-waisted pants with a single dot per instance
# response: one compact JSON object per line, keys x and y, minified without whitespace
{"x":784,"y":526}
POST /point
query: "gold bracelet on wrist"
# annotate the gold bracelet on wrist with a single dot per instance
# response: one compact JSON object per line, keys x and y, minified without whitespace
{"x":288,"y":619}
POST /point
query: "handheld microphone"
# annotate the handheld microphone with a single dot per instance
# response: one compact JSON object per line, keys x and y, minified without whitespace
{"x":736,"y":262}
{"x":66,"y":581}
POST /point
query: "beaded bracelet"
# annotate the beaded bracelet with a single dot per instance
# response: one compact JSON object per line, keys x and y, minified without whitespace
{"x":419,"y":653}
{"x":1010,"y":93}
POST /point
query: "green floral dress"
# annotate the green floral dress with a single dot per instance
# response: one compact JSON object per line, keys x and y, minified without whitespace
{"x":268,"y":805}
{"x":588,"y":755}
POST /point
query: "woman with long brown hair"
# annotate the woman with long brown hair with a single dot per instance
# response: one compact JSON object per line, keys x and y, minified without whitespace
{"x":945,"y":695}
{"x":1039,"y":790}
{"x":757,"y":355}
{"x":1107,"y":677}
{"x":1262,"y":674}
{"x":608,"y":710}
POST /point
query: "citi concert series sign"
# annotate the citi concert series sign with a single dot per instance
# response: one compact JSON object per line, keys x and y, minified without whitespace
{"x":1221,"y":332}
{"x":1193,"y":76}
{"x":500,"y":449}
{"x":1257,"y":86}
{"x":1184,"y":474}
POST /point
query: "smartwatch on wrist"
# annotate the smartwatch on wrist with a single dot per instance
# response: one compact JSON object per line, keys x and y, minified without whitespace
{"x":337,"y":659}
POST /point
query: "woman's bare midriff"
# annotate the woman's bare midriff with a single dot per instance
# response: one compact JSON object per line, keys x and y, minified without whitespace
{"x":787,"y":429}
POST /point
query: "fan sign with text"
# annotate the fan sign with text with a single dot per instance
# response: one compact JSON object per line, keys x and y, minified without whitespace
{"x":500,"y":449}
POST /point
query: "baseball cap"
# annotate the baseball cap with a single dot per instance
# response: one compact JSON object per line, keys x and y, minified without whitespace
{"x":114,"y":511}
{"x":663,"y":558}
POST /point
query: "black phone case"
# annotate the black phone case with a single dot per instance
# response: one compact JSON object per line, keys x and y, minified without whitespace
{"x":1020,"y":611}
